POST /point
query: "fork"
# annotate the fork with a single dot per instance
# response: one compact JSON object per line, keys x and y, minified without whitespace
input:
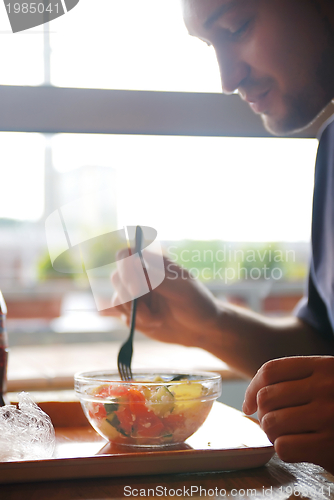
{"x":125,"y":353}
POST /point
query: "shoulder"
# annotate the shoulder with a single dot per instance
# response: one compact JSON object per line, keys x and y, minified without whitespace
{"x":327,"y":129}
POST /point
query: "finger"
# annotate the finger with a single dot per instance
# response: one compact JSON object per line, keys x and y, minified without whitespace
{"x":315,"y":448}
{"x":114,"y":277}
{"x":116,"y":311}
{"x":296,"y":420}
{"x":116,"y":280}
{"x":132,"y":276}
{"x":123,"y":253}
{"x":144,"y":318}
{"x":120,"y":282}
{"x":151,"y":259}
{"x":153,"y":262}
{"x":118,"y":306}
{"x":122,"y":295}
{"x":144,"y":313}
{"x":283,"y":395}
{"x":274,"y":371}
{"x":172,"y":272}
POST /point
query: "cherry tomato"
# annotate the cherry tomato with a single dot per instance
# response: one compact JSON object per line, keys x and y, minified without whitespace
{"x":150,"y":426}
{"x":118,"y":390}
{"x":136,"y":396}
{"x":137,"y":402}
{"x":173,"y":422}
{"x":124,"y":416}
{"x":98,"y":411}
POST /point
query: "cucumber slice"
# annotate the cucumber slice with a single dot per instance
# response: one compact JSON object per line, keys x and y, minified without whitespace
{"x":162,"y":401}
{"x":112,"y":419}
{"x":107,"y":430}
{"x":110,"y":407}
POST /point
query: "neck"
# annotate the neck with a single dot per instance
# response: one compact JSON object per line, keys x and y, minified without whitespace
{"x":326,"y":9}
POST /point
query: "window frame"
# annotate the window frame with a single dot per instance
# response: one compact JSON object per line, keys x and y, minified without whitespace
{"x":50,"y":109}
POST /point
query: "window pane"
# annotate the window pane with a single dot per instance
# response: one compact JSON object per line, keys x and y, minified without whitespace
{"x":21,"y":54}
{"x":232,"y":189}
{"x":22,"y":175}
{"x":127,"y":44}
{"x":202,"y":194}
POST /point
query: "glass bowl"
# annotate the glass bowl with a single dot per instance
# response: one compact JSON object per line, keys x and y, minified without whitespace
{"x":153,"y":409}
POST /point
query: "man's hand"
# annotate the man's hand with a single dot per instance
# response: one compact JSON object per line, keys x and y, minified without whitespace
{"x":294,"y":398}
{"x":180,"y":310}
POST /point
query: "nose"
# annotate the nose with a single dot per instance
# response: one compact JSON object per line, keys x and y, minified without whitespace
{"x":233,"y":70}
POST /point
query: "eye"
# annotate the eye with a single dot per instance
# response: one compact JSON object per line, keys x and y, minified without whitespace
{"x":238,"y":32}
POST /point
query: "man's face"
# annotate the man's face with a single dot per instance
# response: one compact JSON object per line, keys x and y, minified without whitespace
{"x":278,"y":54}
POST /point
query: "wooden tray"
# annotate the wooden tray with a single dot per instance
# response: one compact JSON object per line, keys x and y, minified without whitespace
{"x":227,"y":441}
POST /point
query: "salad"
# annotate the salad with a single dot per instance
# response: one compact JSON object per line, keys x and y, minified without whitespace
{"x":148,"y":415}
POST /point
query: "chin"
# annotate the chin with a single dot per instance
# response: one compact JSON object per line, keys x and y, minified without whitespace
{"x":290,"y":123}
{"x":282,"y":127}
{"x":295,"y":114}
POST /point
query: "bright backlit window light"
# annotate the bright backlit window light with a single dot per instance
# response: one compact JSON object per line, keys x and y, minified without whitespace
{"x":127,"y":44}
{"x":22,"y":175}
{"x":234,"y":189}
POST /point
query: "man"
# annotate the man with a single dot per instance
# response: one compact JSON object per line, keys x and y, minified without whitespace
{"x":279,"y":55}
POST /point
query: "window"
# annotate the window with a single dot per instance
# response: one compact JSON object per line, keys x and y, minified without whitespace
{"x":203,"y":188}
{"x":118,"y":45}
{"x":110,"y":96}
{"x":130,"y":45}
{"x":22,"y":167}
{"x":196,"y":191}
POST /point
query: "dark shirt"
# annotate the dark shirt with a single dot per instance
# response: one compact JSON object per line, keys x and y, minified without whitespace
{"x":317,"y":308}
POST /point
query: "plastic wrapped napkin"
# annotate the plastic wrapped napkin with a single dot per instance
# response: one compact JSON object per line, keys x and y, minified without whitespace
{"x":26,"y":432}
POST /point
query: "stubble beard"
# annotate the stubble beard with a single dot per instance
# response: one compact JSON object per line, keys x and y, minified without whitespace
{"x":302,"y":111}
{"x":305,"y":106}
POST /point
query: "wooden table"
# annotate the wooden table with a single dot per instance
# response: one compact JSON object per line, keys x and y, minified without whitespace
{"x":52,"y":367}
{"x":276,"y":481}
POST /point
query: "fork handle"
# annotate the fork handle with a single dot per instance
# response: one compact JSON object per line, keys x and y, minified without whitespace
{"x":138,"y":240}
{"x":138,"y":244}
{"x":133,"y":318}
